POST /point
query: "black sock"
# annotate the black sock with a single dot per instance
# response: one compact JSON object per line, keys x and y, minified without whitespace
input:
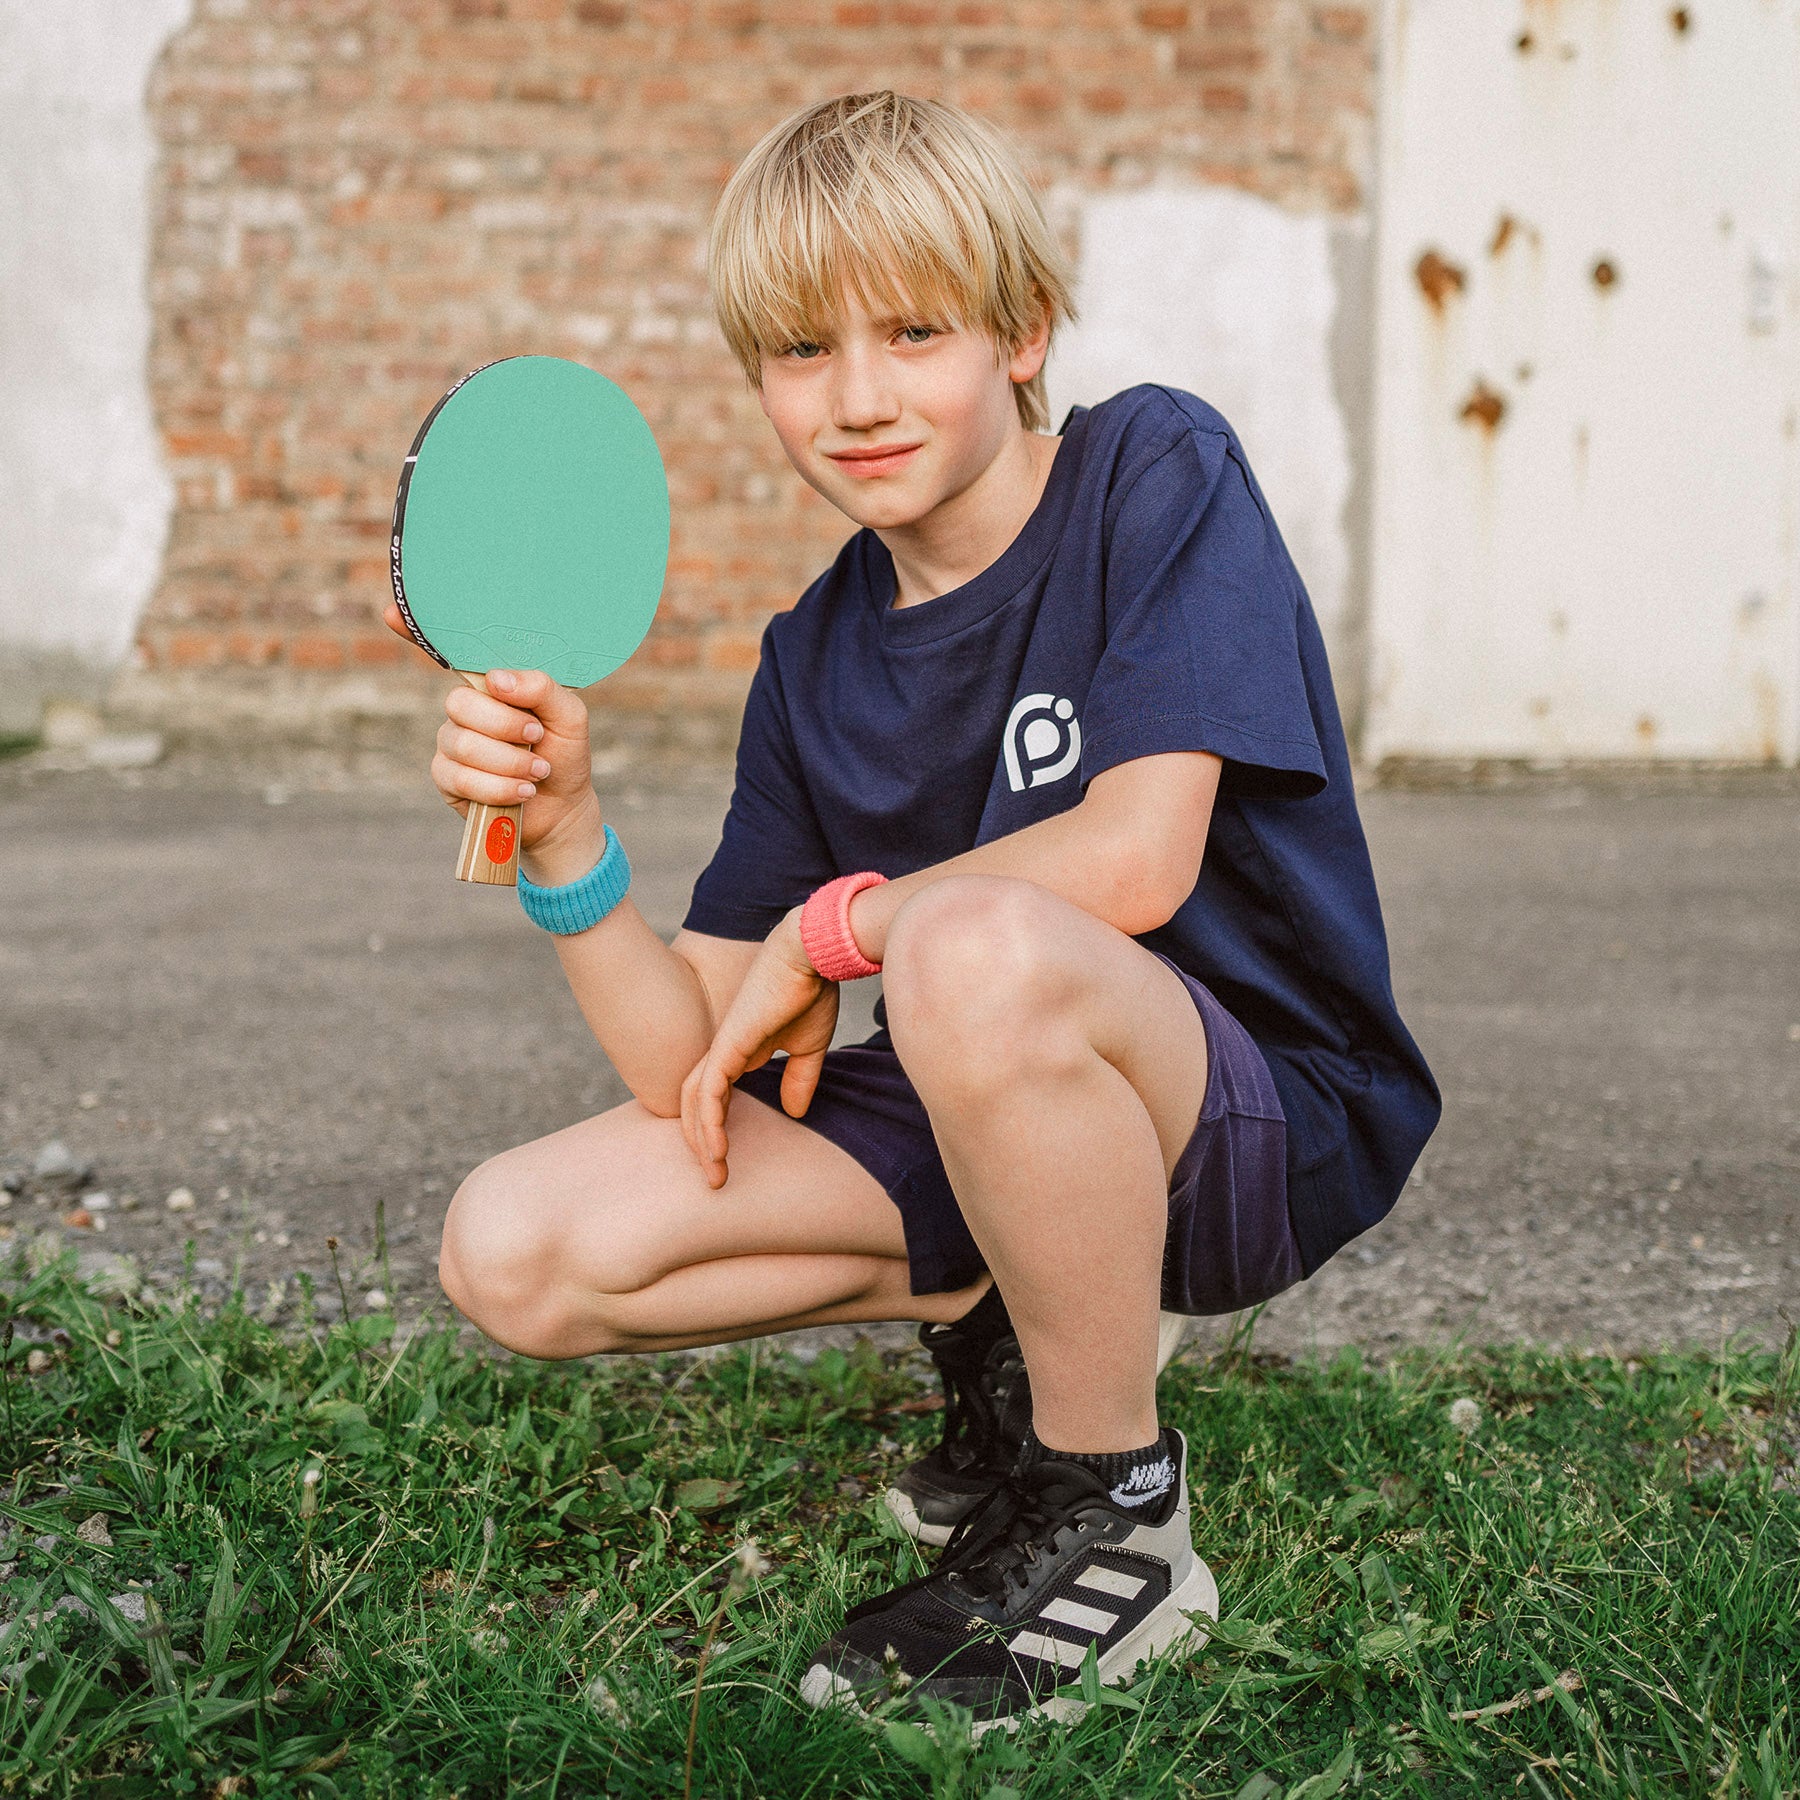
{"x":1139,"y":1482}
{"x":987,"y":1320}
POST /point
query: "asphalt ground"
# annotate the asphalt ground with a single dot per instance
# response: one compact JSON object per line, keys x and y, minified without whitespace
{"x":268,"y":991}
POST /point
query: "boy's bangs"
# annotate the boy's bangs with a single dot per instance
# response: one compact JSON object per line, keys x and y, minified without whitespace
{"x":794,"y":281}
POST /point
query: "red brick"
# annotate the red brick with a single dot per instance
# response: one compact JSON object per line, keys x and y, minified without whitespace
{"x":193,"y":650}
{"x":378,"y":652}
{"x":1349,"y":24}
{"x":253,"y":648}
{"x":204,"y":443}
{"x":662,"y":651}
{"x":315,"y":650}
{"x":1218,"y":59}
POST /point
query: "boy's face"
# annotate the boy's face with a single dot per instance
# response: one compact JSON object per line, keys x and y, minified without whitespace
{"x":889,"y":418}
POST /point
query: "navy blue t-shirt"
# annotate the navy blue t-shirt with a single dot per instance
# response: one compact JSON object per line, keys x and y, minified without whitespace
{"x":1148,"y":605}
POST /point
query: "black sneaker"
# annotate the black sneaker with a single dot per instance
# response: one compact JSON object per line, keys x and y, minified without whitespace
{"x":987,"y":1410}
{"x":1049,"y":1566}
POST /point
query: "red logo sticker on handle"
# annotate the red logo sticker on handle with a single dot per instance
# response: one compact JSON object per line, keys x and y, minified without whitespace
{"x":499,"y":840}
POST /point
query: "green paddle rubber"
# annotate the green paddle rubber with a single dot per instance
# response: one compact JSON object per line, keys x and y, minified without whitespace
{"x":531,"y":531}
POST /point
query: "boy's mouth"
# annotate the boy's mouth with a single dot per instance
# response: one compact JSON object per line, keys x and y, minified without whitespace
{"x":873,"y":459}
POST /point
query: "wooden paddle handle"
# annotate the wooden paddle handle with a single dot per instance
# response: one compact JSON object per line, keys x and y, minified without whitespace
{"x":490,"y":844}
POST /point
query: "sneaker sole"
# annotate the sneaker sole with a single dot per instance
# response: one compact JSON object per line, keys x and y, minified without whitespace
{"x":1168,"y":1626}
{"x":1171,"y":1332}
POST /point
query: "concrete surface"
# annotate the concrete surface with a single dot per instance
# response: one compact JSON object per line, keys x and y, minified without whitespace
{"x":275,"y":996}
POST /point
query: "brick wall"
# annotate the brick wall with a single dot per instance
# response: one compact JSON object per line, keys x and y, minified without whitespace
{"x":358,"y":200}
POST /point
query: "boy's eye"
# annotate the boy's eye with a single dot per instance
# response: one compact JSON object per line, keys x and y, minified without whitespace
{"x":918,"y":334}
{"x":805,"y":352}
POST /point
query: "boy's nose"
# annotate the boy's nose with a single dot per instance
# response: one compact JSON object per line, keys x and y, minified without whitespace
{"x":862,"y":397}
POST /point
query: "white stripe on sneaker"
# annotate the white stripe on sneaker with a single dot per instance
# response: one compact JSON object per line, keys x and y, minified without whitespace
{"x":1048,"y":1649}
{"x":1111,"y":1581}
{"x":1085,"y":1618}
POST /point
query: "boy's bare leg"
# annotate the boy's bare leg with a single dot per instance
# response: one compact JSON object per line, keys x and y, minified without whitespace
{"x":1063,"y":1067}
{"x":605,"y":1237}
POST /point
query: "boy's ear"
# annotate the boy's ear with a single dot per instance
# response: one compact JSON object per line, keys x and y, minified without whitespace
{"x":1028,"y":357}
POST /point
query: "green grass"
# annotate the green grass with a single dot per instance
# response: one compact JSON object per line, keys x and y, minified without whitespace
{"x":505,"y":1572}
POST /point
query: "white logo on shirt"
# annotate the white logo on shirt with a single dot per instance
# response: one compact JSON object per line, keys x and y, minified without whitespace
{"x":1037,"y":747}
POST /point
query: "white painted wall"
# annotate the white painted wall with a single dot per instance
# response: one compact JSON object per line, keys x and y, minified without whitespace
{"x":1235,"y":300}
{"x":87,"y":500}
{"x":1614,"y":569}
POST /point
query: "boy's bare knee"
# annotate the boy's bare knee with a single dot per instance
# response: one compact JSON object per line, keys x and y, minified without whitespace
{"x":508,"y":1264}
{"x":497,"y":1254}
{"x":971,"y":973}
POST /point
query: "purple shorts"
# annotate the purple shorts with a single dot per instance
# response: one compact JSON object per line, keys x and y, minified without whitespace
{"x":1230,"y":1244}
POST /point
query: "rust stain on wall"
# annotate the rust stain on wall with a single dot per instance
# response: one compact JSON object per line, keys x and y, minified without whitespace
{"x":1438,"y":279}
{"x":1680,"y":19}
{"x":1483,"y":407}
{"x":1606,"y":273}
{"x":1503,"y":232}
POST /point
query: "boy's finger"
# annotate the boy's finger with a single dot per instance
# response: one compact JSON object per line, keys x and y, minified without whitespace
{"x":462,"y":782}
{"x":559,"y":707}
{"x":692,"y":1127}
{"x":474,"y":750}
{"x":493,"y":718}
{"x":690,"y":1123}
{"x":390,"y":617}
{"x":800,"y":1081}
{"x":713,"y":1091}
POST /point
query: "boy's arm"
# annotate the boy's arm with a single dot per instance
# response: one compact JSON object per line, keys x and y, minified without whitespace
{"x":654,"y":1008}
{"x":1128,"y":852}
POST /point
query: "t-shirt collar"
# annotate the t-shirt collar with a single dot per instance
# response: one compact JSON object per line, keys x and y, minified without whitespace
{"x":1011,"y":570}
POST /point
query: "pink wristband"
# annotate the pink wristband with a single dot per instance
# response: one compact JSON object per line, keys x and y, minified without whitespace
{"x":825,"y":928}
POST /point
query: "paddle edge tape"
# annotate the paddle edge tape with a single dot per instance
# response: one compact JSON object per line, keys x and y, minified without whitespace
{"x":406,"y":473}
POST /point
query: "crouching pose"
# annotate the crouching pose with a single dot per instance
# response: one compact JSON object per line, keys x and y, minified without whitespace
{"x":1052,"y":745}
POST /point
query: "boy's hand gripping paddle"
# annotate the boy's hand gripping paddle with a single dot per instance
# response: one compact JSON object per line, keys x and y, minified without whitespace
{"x":531,"y":531}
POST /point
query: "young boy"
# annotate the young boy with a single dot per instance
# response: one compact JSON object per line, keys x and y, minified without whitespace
{"x":984,"y":754}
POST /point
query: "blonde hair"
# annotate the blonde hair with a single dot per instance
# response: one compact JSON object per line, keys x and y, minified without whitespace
{"x":905,"y":204}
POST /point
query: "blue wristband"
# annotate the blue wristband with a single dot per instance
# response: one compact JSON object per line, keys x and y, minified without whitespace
{"x":581,"y":904}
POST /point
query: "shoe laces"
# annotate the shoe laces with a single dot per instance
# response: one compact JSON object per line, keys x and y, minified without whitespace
{"x":998,"y":1543}
{"x":996,"y":1546}
{"x":972,"y":1406}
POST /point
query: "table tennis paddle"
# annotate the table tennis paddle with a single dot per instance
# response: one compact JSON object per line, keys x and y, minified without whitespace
{"x":531,"y":531}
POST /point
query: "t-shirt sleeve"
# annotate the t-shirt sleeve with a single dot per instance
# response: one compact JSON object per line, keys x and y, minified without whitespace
{"x":771,"y":852}
{"x":1203,"y":629}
